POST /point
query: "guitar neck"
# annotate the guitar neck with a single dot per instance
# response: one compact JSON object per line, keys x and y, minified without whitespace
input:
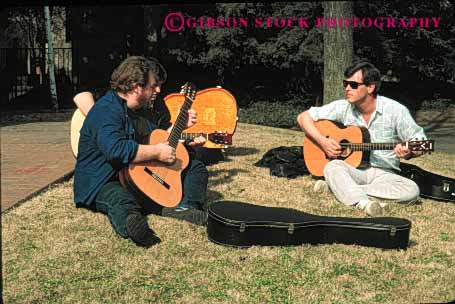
{"x":180,"y":123}
{"x":186,"y":136}
{"x":369,"y":146}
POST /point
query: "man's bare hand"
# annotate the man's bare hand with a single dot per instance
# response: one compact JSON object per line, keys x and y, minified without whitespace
{"x":198,"y":141}
{"x":192,"y":118}
{"x":166,"y":153}
{"x":401,"y":151}
{"x":331,"y":147}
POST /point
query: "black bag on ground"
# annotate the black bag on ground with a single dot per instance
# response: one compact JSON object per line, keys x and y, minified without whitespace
{"x":284,"y":161}
{"x":431,"y":185}
{"x":241,"y":224}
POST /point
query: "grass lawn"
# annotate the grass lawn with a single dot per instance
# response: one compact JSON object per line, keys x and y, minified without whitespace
{"x":55,"y":253}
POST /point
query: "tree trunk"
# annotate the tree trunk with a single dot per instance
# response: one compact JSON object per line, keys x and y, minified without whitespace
{"x":50,"y":59}
{"x":153,"y":24}
{"x":338,"y":47}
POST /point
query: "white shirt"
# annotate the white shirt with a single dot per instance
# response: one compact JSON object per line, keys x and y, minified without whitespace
{"x":390,"y":122}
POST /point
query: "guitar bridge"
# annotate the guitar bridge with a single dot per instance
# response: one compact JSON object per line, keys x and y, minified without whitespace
{"x":157,"y":178}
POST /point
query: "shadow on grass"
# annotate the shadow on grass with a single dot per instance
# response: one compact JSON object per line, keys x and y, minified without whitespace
{"x":223,"y":176}
{"x":412,"y":243}
{"x":215,"y":156}
{"x":212,"y":196}
{"x":241,"y":151}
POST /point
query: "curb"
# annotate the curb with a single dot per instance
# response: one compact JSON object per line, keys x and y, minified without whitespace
{"x":59,"y":180}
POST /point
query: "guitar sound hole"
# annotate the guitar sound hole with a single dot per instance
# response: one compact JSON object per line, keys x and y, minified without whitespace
{"x":346,"y":151}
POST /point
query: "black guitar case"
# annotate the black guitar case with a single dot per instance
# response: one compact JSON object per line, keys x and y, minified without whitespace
{"x":241,"y":224}
{"x":431,"y":185}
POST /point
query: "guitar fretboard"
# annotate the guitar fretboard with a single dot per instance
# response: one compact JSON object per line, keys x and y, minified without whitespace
{"x":186,"y":136}
{"x":180,"y":123}
{"x":369,"y":146}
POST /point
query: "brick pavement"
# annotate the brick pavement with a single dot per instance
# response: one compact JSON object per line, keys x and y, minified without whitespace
{"x":33,"y":155}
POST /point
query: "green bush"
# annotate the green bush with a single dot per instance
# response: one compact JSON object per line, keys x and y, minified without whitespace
{"x":273,"y":114}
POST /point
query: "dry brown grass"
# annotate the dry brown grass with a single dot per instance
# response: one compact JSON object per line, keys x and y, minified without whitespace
{"x":53,"y":252}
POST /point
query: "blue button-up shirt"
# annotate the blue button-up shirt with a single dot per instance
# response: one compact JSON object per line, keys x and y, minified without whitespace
{"x":391,"y":122}
{"x":107,"y":144}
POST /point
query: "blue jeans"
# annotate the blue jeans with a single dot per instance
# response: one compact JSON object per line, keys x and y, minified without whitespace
{"x":117,"y":203}
{"x":194,"y":179}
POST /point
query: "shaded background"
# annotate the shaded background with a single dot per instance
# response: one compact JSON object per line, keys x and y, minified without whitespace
{"x":270,"y":67}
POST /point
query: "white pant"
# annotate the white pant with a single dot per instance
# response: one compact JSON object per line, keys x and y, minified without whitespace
{"x":350,"y":185}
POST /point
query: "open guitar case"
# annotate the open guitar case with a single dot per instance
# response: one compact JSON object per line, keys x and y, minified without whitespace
{"x":240,"y":224}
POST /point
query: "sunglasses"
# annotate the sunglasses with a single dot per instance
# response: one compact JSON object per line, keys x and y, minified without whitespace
{"x":354,"y":85}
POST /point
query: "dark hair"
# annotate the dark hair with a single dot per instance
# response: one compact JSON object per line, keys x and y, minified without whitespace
{"x":136,"y":70}
{"x":371,"y":74}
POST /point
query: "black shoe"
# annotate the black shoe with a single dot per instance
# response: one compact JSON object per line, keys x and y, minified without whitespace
{"x":139,"y":231}
{"x":192,"y":215}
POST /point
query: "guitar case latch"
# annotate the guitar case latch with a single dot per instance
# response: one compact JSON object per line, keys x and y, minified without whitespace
{"x":242,"y":227}
{"x":445,"y":187}
{"x":393,"y":231}
{"x":291,"y":228}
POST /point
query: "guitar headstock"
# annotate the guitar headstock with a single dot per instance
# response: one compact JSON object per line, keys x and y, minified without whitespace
{"x":189,"y":90}
{"x":221,"y":138}
{"x":421,"y":145}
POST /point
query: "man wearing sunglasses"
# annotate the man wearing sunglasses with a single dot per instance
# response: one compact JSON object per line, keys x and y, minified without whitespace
{"x":387,"y":121}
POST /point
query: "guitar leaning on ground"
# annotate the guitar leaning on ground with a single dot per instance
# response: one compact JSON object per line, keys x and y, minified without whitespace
{"x":356,"y":145}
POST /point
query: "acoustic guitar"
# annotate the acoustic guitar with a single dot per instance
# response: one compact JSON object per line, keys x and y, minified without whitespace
{"x":76,"y":124}
{"x":218,"y":138}
{"x":161,"y":182}
{"x":217,"y":113}
{"x":355,"y":144}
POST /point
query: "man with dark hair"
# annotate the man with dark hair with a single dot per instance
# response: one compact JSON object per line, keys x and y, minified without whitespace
{"x":387,"y":121}
{"x":370,"y":73}
{"x":109,"y":142}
